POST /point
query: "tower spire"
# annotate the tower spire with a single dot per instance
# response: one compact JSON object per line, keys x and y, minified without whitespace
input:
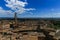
{"x":15,"y":16}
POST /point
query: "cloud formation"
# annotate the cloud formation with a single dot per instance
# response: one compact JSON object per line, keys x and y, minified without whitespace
{"x":18,"y":6}
{"x":5,"y":13}
{"x":15,"y":6}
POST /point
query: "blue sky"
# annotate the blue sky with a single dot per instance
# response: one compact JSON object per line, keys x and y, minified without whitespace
{"x":43,"y":8}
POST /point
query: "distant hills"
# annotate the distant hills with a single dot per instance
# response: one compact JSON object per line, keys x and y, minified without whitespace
{"x":11,"y":18}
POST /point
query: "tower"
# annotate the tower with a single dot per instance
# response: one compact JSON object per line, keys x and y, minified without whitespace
{"x":15,"y":17}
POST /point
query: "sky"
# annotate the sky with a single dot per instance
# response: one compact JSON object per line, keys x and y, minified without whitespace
{"x":30,"y":8}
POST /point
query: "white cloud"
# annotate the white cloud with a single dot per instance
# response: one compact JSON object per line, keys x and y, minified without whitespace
{"x":18,"y":6}
{"x":16,"y":3}
{"x":28,"y":9}
{"x":5,"y":13}
{"x":0,"y":8}
{"x":52,"y":9}
{"x":52,"y":15}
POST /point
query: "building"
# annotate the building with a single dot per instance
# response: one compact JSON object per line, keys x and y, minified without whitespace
{"x":26,"y":29}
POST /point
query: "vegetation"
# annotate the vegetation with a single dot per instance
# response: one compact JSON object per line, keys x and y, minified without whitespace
{"x":56,"y":25}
